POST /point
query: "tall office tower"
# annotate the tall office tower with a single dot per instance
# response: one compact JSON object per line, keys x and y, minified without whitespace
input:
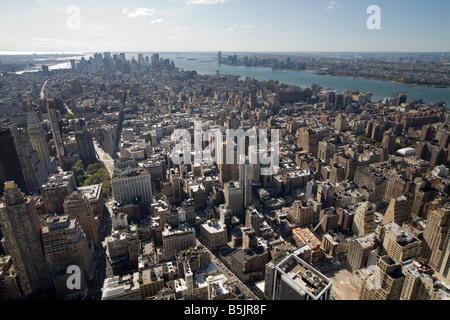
{"x":225,"y":215}
{"x":326,"y":150}
{"x":246,"y":181}
{"x":294,"y":279}
{"x":396,"y":184}
{"x":21,"y":228}
{"x":253,"y":157}
{"x":189,"y":208}
{"x":233,"y":122}
{"x":311,"y":189}
{"x":253,"y":219}
{"x":420,"y":284}
{"x":65,"y":245}
{"x":53,"y":118}
{"x":234,"y":197}
{"x":131,"y":185}
{"x":443,"y":265}
{"x":10,"y":169}
{"x":399,"y":210}
{"x":58,"y":187}
{"x":340,"y":123}
{"x":176,"y":186}
{"x":228,"y":168}
{"x":303,"y":213}
{"x":337,"y":173}
{"x":434,"y":235}
{"x":85,"y":145}
{"x":219,"y":57}
{"x":385,"y":283}
{"x":364,"y":220}
{"x":308,"y":139}
{"x":389,"y":141}
{"x":141,"y":59}
{"x":399,"y":244}
{"x":33,"y":169}
{"x":77,"y":206}
{"x":359,"y":249}
{"x":155,"y":60}
{"x":37,"y":138}
{"x":325,"y":194}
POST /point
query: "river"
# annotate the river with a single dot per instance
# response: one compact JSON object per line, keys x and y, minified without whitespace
{"x":206,"y":63}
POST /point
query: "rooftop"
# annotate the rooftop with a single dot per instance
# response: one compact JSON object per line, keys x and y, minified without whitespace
{"x":303,"y":276}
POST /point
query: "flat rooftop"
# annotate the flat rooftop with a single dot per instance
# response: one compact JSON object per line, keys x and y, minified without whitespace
{"x":303,"y":276}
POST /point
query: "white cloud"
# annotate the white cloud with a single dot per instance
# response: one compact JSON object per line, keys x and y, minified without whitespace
{"x":181,"y":29}
{"x":139,"y":12}
{"x":206,"y":1}
{"x":158,"y":21}
{"x":236,"y":26}
{"x":333,"y":5}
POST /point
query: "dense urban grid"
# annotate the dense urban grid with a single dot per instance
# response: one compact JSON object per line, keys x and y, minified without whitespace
{"x":94,"y":206}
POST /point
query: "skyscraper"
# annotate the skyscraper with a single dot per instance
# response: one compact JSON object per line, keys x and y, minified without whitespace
{"x":65,"y":244}
{"x":37,"y":138}
{"x":85,"y":145}
{"x":294,"y":279}
{"x":77,"y":206}
{"x":34,"y":171}
{"x":234,"y":197}
{"x":131,"y":185}
{"x":58,"y":186}
{"x":21,"y":228}
{"x":385,"y":283}
{"x":435,"y":234}
{"x":364,"y":220}
{"x":53,"y":117}
{"x":10,"y":169}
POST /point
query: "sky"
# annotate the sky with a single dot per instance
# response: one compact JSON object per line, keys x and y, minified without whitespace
{"x":224,"y":25}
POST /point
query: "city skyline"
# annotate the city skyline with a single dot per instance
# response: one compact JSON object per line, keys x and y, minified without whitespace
{"x":227,"y":25}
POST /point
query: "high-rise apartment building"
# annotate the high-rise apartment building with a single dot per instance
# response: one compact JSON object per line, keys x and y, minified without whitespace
{"x":77,"y":206}
{"x":65,"y":245}
{"x":359,"y":249}
{"x":420,"y":283}
{"x":176,"y":186}
{"x":399,"y":210}
{"x":399,"y":244}
{"x":21,"y":228}
{"x":385,"y":282}
{"x":364,"y":219}
{"x":234,"y":197}
{"x":58,"y":186}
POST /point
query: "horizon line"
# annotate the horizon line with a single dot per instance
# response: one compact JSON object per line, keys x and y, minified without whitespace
{"x":13,"y":52}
